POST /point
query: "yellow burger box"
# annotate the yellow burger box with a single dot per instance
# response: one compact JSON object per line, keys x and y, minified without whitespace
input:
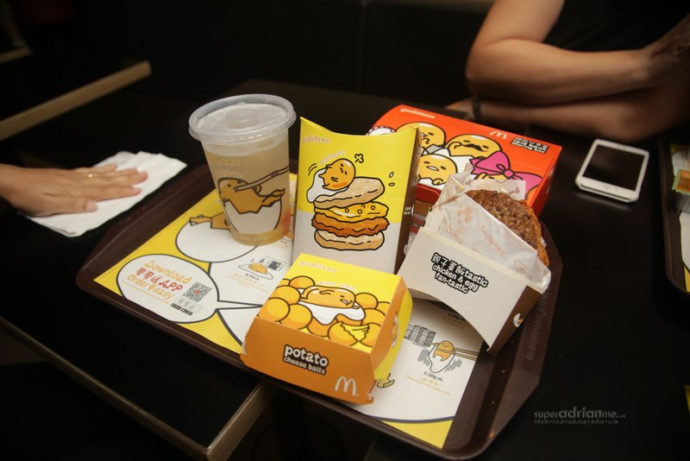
{"x":330,"y":327}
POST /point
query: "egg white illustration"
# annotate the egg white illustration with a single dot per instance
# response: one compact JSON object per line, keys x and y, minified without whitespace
{"x":203,"y":243}
{"x":318,"y":188}
{"x":439,"y":360}
{"x":264,"y":220}
{"x":325,"y":314}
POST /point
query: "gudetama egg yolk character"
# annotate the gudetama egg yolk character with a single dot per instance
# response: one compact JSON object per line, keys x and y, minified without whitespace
{"x":437,"y":168}
{"x":431,"y":134}
{"x":472,"y":145}
{"x":444,"y":350}
{"x":329,"y":296}
{"x":338,"y":175}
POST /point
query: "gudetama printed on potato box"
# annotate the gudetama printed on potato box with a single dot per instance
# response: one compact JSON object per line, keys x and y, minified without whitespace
{"x":355,"y":195}
{"x":337,"y":313}
{"x":331,"y":327}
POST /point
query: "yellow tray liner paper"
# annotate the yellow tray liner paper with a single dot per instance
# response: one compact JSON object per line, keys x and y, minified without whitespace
{"x":428,"y":377}
{"x":231,"y":280}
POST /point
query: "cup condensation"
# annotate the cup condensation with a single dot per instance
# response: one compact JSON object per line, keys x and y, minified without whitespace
{"x":245,"y":140}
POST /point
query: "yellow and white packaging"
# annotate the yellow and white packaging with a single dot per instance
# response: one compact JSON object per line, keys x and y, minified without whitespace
{"x":330,"y":327}
{"x":355,"y":195}
{"x":476,"y":265}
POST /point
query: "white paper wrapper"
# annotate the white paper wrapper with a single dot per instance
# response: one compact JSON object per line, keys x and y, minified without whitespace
{"x":472,"y":262}
{"x":460,"y":219}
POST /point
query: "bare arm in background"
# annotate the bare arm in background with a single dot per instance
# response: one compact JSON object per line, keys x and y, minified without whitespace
{"x":626,"y":95}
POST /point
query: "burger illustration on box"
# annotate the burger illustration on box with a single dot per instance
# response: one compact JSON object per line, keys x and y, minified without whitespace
{"x":355,"y":195}
{"x":346,"y":215}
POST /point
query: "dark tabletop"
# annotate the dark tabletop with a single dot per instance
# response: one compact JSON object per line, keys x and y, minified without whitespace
{"x":618,"y":341}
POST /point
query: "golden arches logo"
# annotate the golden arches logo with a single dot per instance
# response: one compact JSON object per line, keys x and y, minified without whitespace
{"x":499,"y":134}
{"x":346,"y":383}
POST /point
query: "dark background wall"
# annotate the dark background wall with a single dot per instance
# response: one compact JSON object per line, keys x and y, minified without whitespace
{"x":413,"y":50}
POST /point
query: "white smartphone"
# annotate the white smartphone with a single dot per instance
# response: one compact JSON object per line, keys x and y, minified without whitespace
{"x":613,"y":170}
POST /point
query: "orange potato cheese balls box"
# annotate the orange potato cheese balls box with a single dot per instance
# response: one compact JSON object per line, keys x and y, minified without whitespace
{"x":330,"y":327}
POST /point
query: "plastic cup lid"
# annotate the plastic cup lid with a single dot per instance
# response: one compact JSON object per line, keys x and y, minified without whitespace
{"x":242,"y":118}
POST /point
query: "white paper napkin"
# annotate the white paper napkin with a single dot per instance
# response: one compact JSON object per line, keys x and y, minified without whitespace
{"x":159,"y":169}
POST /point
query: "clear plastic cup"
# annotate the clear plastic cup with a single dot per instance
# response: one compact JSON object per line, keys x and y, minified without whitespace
{"x":245,"y":139}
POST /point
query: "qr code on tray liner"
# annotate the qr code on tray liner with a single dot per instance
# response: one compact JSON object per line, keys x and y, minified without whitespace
{"x":197,"y":291}
{"x":188,"y":302}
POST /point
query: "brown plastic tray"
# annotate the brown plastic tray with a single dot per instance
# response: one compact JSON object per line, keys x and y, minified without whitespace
{"x":498,"y":387}
{"x":669,"y":214}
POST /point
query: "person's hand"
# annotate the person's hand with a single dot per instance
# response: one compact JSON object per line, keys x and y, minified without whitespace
{"x":671,"y":53}
{"x":45,"y":191}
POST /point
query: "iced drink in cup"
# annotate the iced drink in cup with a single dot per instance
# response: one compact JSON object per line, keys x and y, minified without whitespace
{"x":245,"y":139}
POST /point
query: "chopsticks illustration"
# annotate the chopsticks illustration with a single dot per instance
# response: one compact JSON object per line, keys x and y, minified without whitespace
{"x":466,"y":353}
{"x":262,"y":180}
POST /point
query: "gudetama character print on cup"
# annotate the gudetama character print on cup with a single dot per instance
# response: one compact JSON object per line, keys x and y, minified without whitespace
{"x":245,"y":141}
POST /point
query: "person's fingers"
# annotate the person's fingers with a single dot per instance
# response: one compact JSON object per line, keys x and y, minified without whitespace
{"x":92,"y":184}
{"x":90,"y":205}
{"x":90,"y":172}
{"x":99,"y":185}
{"x":44,"y":192}
{"x":93,"y":169}
{"x":46,"y":205}
{"x":107,"y":167}
{"x":111,"y":172}
{"x":115,"y":179}
{"x":108,"y":192}
{"x":126,"y":177}
{"x":108,"y":173}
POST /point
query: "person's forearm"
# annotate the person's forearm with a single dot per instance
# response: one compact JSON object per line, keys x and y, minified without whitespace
{"x":509,"y":60}
{"x":536,"y":73}
{"x":628,"y":117}
{"x":6,"y":178}
{"x":578,"y":118}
